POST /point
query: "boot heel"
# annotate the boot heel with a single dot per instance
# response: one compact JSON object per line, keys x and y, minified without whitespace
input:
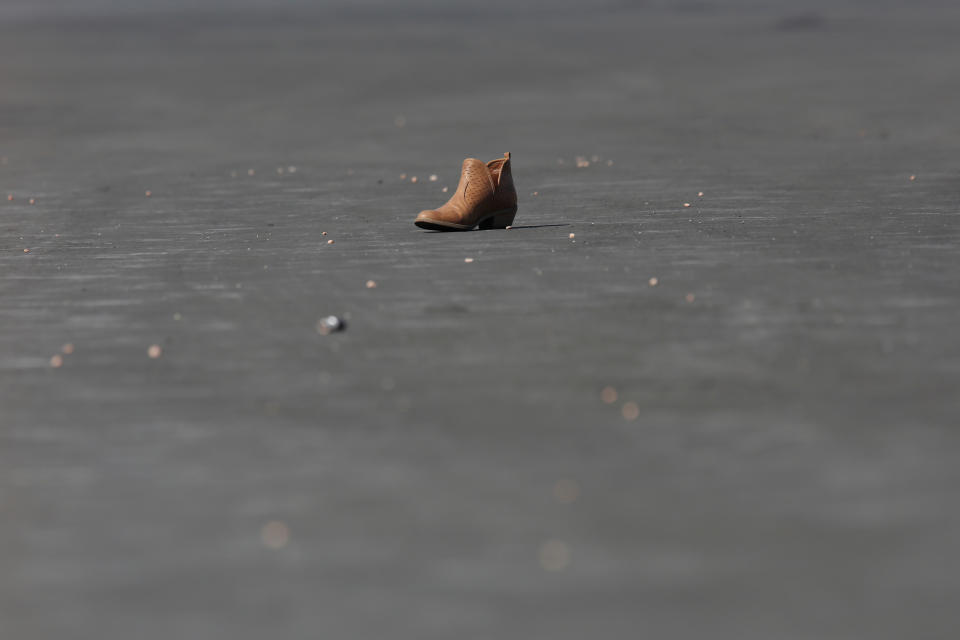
{"x":501,"y":220}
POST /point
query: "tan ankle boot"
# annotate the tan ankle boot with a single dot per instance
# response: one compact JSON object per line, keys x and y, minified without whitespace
{"x":485,"y":196}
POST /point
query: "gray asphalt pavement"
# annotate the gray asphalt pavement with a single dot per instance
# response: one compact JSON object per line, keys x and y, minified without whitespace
{"x":734,"y":419}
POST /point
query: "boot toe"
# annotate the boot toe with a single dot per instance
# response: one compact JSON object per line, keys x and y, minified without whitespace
{"x":429,"y":219}
{"x":429,"y":215}
{"x":438,"y":220}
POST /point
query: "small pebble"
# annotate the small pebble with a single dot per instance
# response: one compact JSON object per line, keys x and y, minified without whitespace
{"x":509,"y":226}
{"x":330,"y":324}
{"x":609,"y":163}
{"x":371,"y":284}
{"x":654,"y":282}
{"x":403,"y":176}
{"x":56,"y":361}
{"x":154,"y":351}
{"x":572,"y":236}
{"x":608,"y":395}
{"x":566,"y":491}
{"x":536,"y":193}
{"x":582,"y":162}
{"x":250,"y":172}
{"x":32,"y":201}
{"x":279,"y":171}
{"x":293,"y":169}
{"x":433,"y":177}
{"x":67,"y":349}
{"x":275,"y":535}
{"x":699,"y":194}
{"x":10,"y":197}
{"x":413,"y":178}
{"x":468,"y":259}
{"x":444,"y":189}
{"x":26,"y":250}
{"x":323,"y":233}
{"x":912,"y":178}
{"x":690,"y":297}
{"x":148,"y":193}
{"x":554,"y":555}
{"x":630,"y":410}
{"x":329,"y":241}
{"x":686,"y":204}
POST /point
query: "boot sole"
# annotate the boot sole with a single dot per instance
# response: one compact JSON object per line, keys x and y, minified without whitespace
{"x":495,"y":220}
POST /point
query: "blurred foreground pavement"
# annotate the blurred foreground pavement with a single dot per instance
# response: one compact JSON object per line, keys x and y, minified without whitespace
{"x":535,"y":444}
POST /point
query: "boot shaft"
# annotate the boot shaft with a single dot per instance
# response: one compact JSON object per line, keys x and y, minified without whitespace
{"x":505,"y":194}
